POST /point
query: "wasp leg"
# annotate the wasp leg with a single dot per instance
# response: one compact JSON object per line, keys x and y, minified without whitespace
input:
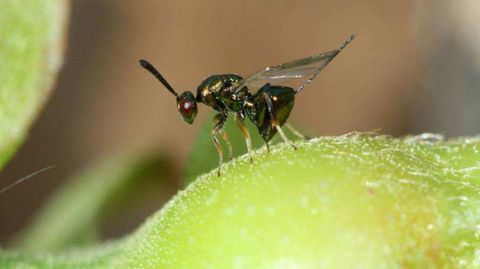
{"x":219,"y":121}
{"x":284,"y":137}
{"x":266,"y":141}
{"x":296,"y":132}
{"x":226,"y":138}
{"x":239,"y":119}
{"x":220,"y":152}
{"x":274,"y":120}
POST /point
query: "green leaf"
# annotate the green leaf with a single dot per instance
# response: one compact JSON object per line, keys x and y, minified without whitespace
{"x":336,"y":202}
{"x":72,"y":214}
{"x":31,"y":41}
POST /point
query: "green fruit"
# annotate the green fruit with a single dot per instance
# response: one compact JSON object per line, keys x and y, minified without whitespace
{"x":336,"y":202}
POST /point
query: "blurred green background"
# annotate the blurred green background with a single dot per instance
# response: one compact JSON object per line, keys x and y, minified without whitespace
{"x":413,"y":68}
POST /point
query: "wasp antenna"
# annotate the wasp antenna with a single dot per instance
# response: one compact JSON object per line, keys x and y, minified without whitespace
{"x":350,"y":38}
{"x":145,"y":64}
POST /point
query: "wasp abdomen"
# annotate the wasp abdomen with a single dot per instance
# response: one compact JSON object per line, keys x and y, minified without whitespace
{"x":282,"y":98}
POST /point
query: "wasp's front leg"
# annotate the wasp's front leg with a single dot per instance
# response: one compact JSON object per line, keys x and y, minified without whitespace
{"x":219,"y":122}
{"x":274,"y":121}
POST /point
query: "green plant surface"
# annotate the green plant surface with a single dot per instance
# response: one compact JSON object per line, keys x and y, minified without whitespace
{"x":353,"y":201}
{"x":72,"y":214}
{"x":31,"y":39}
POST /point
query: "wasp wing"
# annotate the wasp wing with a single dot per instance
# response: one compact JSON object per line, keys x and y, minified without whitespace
{"x":308,"y":67}
{"x":288,"y":71}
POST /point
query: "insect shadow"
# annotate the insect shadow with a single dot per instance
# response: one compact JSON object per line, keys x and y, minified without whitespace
{"x":258,"y":98}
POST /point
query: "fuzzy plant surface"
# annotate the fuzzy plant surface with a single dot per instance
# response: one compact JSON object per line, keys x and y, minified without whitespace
{"x":31,"y":42}
{"x":354,"y":201}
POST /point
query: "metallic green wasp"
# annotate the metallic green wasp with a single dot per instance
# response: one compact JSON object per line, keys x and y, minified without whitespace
{"x":257,"y":98}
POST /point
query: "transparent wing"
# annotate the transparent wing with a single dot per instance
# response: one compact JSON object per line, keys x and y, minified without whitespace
{"x":292,"y":70}
{"x":308,"y":68}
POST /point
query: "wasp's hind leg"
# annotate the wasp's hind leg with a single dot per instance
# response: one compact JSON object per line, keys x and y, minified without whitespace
{"x":275,"y":123}
{"x":284,"y":137}
{"x":239,"y":119}
{"x":219,"y":121}
{"x":296,"y":132}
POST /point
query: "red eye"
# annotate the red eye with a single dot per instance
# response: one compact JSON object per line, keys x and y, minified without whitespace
{"x":186,"y":107}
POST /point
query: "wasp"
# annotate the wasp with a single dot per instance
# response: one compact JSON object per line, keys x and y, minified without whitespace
{"x":258,"y":98}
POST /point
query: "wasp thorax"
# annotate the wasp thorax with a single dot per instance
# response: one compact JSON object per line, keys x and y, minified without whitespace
{"x":187,"y":106}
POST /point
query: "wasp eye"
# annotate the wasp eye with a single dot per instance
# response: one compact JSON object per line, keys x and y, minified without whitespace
{"x":187,"y":106}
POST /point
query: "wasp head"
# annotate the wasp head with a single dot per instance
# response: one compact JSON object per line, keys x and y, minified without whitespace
{"x":187,"y":106}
